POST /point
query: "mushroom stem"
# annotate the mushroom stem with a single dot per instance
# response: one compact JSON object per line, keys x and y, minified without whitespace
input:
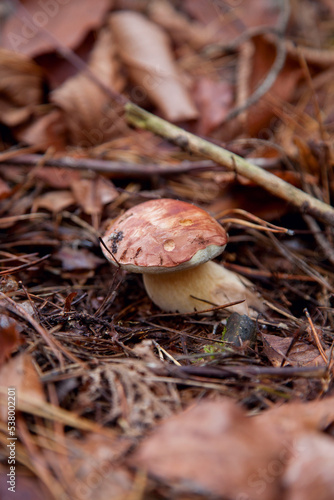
{"x":211,"y":282}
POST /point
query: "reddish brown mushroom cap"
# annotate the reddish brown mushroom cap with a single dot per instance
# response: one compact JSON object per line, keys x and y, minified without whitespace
{"x":164,"y":235}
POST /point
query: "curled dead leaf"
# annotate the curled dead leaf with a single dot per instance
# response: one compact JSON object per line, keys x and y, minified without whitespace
{"x":299,"y":417}
{"x":21,"y":87}
{"x":73,"y":259}
{"x":214,"y":100}
{"x":301,"y":353}
{"x":20,"y":373}
{"x":90,"y":118}
{"x":54,"y":201}
{"x":24,"y":34}
{"x":181,"y":28}
{"x":213,"y":449}
{"x":145,"y":50}
{"x":309,"y":475}
{"x":92,"y":194}
{"x":9,"y":337}
{"x":59,"y":178}
{"x":45,"y":131}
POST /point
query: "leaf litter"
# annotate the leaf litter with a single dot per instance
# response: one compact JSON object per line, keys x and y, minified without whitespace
{"x":116,"y":399}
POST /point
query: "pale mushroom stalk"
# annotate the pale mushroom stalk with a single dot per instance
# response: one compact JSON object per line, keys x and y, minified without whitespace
{"x":210,"y":283}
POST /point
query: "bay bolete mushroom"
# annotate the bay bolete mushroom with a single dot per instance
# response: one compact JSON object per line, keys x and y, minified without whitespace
{"x":171,"y":243}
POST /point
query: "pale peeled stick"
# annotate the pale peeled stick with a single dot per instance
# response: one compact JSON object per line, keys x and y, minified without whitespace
{"x":171,"y":243}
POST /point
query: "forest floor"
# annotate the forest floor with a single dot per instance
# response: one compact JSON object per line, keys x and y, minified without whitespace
{"x":104,"y":105}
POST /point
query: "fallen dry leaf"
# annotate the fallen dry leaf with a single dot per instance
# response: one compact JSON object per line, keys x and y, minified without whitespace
{"x":298,"y":417}
{"x":100,"y":478}
{"x":214,"y":449}
{"x":93,"y":194}
{"x":44,"y":131}
{"x":233,"y":17}
{"x":73,"y":259}
{"x":145,"y":50}
{"x":89,"y":115}
{"x":55,"y":177}
{"x":9,"y":337}
{"x":54,"y":201}
{"x":180,"y":27}
{"x":207,"y":13}
{"x":301,"y":354}
{"x":329,"y":5}
{"x":21,"y":87}
{"x":21,"y":374}
{"x":68,"y":301}
{"x":22,"y":34}
{"x":259,"y":115}
{"x":106,"y":190}
{"x":85,"y":194}
{"x":214,"y":101}
{"x":309,"y":475}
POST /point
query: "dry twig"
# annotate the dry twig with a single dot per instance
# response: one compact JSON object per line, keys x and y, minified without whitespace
{"x":303,"y":201}
{"x":116,"y":168}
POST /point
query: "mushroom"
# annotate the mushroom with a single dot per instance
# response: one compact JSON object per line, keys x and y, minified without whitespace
{"x":171,"y":243}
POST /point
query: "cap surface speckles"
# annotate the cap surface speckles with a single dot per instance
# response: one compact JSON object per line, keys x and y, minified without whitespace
{"x":160,"y":235}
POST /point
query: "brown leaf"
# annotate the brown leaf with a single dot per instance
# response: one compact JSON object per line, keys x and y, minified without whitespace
{"x":206,"y":13}
{"x":89,"y":116}
{"x":86,"y":196}
{"x":294,"y":418}
{"x":180,"y":27}
{"x":45,"y":131}
{"x":21,"y":374}
{"x":93,"y":194}
{"x":146,"y":51}
{"x":54,"y":201}
{"x":68,"y":301}
{"x":68,"y":21}
{"x":301,"y":354}
{"x":106,"y":191}
{"x":9,"y":337}
{"x":59,"y":178}
{"x":309,"y":475}
{"x":259,"y":115}
{"x":100,"y":478}
{"x":90,"y":469}
{"x":21,"y":87}
{"x":225,"y":16}
{"x":214,"y":101}
{"x":77,"y":259}
{"x":213,"y":448}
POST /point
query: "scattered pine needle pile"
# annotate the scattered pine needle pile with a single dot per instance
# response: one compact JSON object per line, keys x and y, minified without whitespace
{"x":115,"y":399}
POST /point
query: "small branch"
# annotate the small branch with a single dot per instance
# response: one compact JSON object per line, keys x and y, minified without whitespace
{"x":115,"y":168}
{"x":320,"y":238}
{"x":13,"y":270}
{"x":306,"y":203}
{"x":250,"y":371}
{"x":316,"y":337}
